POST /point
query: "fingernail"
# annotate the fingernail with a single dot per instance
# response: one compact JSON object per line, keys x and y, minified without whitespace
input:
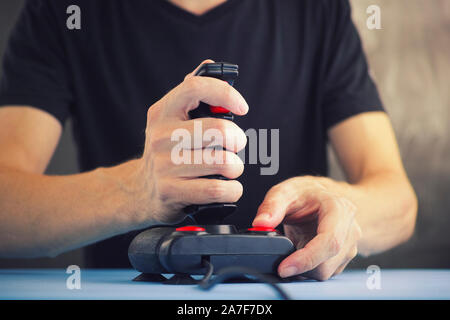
{"x":288,"y":271}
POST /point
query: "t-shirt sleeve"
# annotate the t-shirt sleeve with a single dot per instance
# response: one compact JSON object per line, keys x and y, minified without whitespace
{"x":348,"y":87}
{"x":34,"y":69}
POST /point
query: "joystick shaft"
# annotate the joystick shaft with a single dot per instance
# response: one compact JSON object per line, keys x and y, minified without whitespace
{"x":214,"y":212}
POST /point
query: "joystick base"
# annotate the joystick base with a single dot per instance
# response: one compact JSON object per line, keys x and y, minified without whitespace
{"x":184,"y":279}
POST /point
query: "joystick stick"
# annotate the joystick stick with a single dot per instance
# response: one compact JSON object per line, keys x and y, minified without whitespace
{"x":214,"y":212}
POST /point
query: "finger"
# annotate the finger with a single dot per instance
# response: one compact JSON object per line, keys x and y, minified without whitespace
{"x":197,"y":134}
{"x":208,"y":132}
{"x":337,"y":263}
{"x":198,"y":163}
{"x":204,"y":191}
{"x":285,"y":198}
{"x":188,"y":95}
{"x":274,"y":206}
{"x":335,"y":220}
{"x":355,"y":235}
{"x":213,"y":162}
{"x":321,"y":248}
{"x":353,"y":253}
{"x":335,"y":228}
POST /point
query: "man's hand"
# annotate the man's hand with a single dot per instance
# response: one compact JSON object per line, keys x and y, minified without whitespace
{"x":167,"y":187}
{"x":45,"y":215}
{"x":320,"y":223}
{"x":324,"y":218}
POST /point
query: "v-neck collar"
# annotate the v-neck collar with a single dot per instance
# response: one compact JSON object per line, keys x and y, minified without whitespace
{"x":211,"y":15}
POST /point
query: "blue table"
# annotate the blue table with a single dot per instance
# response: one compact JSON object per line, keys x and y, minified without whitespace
{"x":117,"y":284}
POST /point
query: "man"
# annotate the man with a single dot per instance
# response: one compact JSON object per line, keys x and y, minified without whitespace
{"x":302,"y":70}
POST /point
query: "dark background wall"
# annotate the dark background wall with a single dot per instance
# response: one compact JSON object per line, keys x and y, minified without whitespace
{"x":409,"y":58}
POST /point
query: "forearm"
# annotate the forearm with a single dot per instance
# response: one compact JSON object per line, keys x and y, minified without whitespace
{"x":386,"y":209}
{"x":46,"y":215}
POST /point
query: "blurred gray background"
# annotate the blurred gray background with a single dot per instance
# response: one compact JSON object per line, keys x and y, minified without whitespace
{"x":410,"y":60}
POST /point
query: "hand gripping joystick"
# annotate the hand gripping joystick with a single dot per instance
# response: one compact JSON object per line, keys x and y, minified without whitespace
{"x":207,"y":248}
{"x":213,"y":212}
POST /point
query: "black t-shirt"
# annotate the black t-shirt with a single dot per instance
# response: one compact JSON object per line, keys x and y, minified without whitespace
{"x":302,"y":70}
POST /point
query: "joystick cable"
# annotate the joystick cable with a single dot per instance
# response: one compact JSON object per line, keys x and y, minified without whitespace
{"x":210,"y":269}
{"x":207,"y":282}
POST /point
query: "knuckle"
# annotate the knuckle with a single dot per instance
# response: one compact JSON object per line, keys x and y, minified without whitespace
{"x":338,"y":271}
{"x":329,"y":201}
{"x":192,"y":84}
{"x":308,"y":263}
{"x":189,"y":75}
{"x":334,"y":245}
{"x":153,"y":112}
{"x":357,"y":231}
{"x":323,"y":273}
{"x":156,"y":140}
{"x":276,"y":189}
{"x":150,"y":112}
{"x":151,"y":120}
{"x":215,"y":190}
{"x":351,"y":208}
{"x":353,"y":253}
{"x":165,"y":190}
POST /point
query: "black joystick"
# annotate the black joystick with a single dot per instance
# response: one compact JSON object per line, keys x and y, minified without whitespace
{"x":213,"y":212}
{"x":207,"y":248}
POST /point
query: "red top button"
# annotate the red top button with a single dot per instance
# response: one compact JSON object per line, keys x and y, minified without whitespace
{"x":215,"y":109}
{"x":265,"y":229}
{"x":190,"y":228}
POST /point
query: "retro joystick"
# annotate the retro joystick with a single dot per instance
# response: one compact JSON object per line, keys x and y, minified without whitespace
{"x":183,"y":250}
{"x":213,"y":212}
{"x":207,"y":248}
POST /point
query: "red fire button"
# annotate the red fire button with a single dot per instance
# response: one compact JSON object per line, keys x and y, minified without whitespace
{"x":215,"y":109}
{"x":190,"y":228}
{"x":264,"y":229}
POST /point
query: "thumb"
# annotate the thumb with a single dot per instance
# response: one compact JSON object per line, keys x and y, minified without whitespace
{"x":273,"y":209}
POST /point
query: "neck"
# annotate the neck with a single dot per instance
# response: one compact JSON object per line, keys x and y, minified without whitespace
{"x":197,"y":7}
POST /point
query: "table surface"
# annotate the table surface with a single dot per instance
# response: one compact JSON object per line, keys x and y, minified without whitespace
{"x":118,"y":284}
